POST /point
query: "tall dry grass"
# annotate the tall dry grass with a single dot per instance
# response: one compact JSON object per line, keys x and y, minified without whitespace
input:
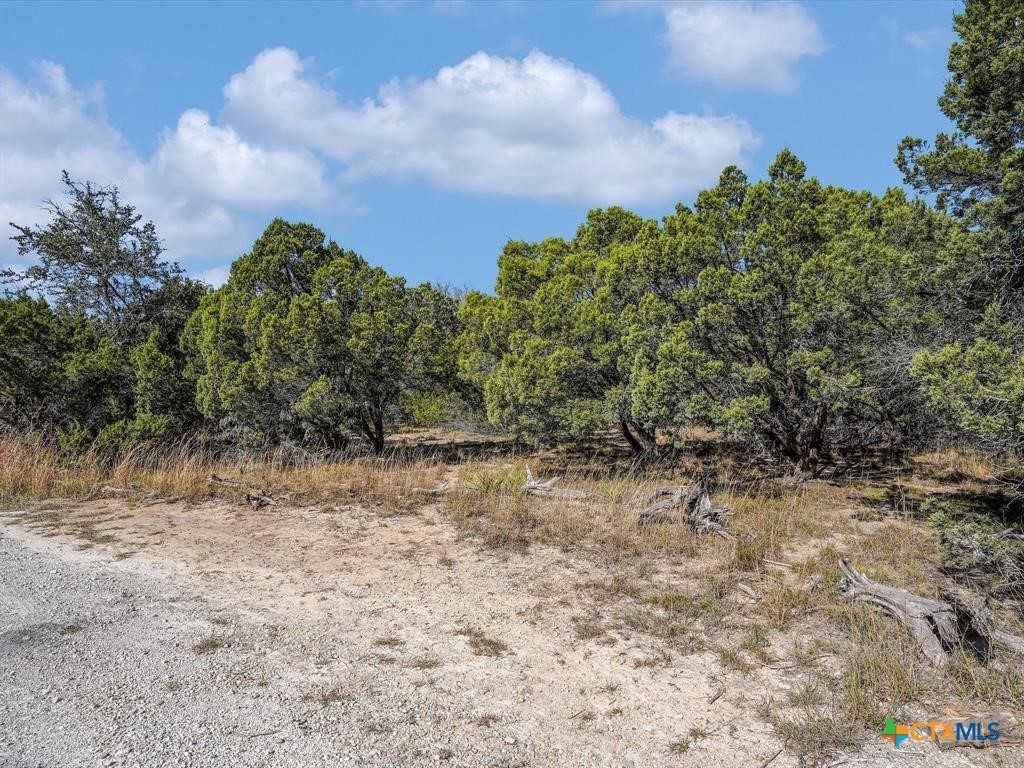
{"x":31,"y":468}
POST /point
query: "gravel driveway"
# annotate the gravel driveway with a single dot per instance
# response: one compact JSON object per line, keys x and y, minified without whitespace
{"x":202,"y":635}
{"x":106,"y":665}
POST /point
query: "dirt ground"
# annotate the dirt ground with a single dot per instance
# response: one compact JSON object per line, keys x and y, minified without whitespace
{"x":173,"y":633}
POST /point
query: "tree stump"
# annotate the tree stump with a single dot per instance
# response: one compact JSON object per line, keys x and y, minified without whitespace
{"x":940,"y":627}
{"x":690,"y":504}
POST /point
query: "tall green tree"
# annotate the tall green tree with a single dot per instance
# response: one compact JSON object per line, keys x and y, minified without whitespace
{"x":974,"y":371}
{"x":307,"y":343}
{"x":97,"y":258}
{"x":86,"y":355}
{"x":791,"y":322}
{"x":781,"y":313}
{"x":548,"y":350}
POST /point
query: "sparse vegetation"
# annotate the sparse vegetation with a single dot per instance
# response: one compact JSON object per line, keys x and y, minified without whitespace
{"x":328,"y":694}
{"x":816,"y":356}
{"x":482,"y":645}
{"x":212,"y":642}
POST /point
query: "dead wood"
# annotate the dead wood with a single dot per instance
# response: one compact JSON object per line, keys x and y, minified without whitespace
{"x":547,"y":487}
{"x":438,"y":491}
{"x":746,"y":590}
{"x":259,"y":500}
{"x":941,"y":627}
{"x":223,"y":481}
{"x":690,"y":504}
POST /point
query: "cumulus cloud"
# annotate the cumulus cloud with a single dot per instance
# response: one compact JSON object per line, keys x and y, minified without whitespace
{"x":215,"y":277}
{"x":535,"y":127}
{"x":218,"y":164}
{"x":191,"y":187}
{"x":736,"y":43}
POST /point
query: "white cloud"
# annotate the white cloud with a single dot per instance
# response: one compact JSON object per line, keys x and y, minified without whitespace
{"x":192,"y":187}
{"x":216,"y":163}
{"x":215,"y":277}
{"x":924,"y":39}
{"x":736,"y":43}
{"x":537,"y":127}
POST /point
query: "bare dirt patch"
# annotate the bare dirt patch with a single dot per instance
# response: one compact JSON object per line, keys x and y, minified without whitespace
{"x":515,"y":644}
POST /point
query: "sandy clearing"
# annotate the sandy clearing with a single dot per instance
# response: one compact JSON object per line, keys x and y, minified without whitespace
{"x":393,"y":613}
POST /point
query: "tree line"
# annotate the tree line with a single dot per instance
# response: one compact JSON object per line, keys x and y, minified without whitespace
{"x":810,"y":321}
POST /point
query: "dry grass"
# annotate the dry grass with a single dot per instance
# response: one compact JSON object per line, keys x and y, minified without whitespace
{"x":664,"y":582}
{"x":424,"y":662}
{"x":488,"y":505}
{"x":31,"y":469}
{"x":329,"y":694}
{"x":212,"y":642}
{"x":480,"y":644}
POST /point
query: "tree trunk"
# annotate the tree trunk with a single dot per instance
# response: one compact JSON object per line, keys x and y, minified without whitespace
{"x":642,"y":442}
{"x":377,"y":438}
{"x":634,"y":444}
{"x":373,"y":429}
{"x":647,"y":437}
{"x":812,"y":441}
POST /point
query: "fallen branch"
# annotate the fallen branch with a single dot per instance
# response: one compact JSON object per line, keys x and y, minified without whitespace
{"x":768,"y":761}
{"x":223,"y":481}
{"x":259,"y":500}
{"x":438,"y":491}
{"x":940,"y":627}
{"x":547,"y":488}
{"x":746,"y":590}
{"x":690,"y":504}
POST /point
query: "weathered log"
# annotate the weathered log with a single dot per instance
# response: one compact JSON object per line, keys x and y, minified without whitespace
{"x":547,"y":488}
{"x":213,"y":479}
{"x":690,"y":504}
{"x":746,"y":590}
{"x":259,"y":500}
{"x":941,"y":627}
{"x":440,"y":490}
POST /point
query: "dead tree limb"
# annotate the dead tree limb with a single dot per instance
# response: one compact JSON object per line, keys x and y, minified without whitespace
{"x":547,"y":488}
{"x":214,"y":480}
{"x":440,"y":490}
{"x":939,"y":626}
{"x":259,"y":500}
{"x":690,"y":504}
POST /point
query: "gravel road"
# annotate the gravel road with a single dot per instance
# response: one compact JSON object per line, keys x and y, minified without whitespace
{"x":100,"y":669}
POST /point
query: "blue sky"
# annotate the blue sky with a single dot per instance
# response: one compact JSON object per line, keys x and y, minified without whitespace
{"x":425,"y":135}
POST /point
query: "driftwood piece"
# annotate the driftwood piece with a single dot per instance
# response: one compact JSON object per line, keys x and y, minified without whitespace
{"x":941,"y":627}
{"x":255,"y":498}
{"x":259,"y":500}
{"x":547,"y":488}
{"x":215,"y":480}
{"x":690,"y":504}
{"x":440,"y":490}
{"x":746,"y":590}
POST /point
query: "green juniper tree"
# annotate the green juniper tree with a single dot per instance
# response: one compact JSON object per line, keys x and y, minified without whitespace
{"x":790,"y":324}
{"x":549,"y":350}
{"x":781,"y":313}
{"x":307,"y":343}
{"x":974,"y":370}
{"x":88,"y":357}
